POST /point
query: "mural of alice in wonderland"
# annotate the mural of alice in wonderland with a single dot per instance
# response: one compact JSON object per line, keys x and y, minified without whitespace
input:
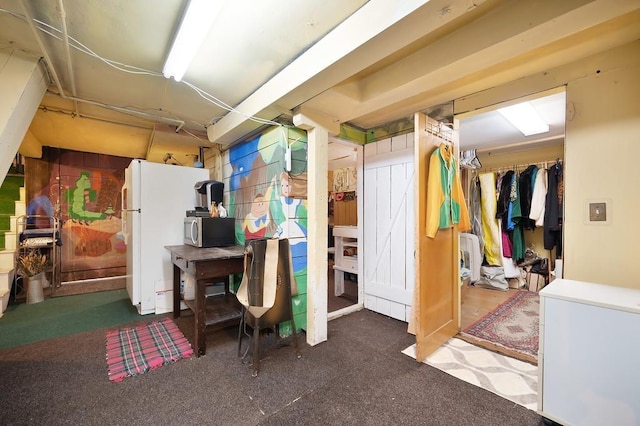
{"x":268,"y":201}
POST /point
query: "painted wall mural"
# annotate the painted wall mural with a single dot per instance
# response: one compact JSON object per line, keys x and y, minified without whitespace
{"x":83,"y":191}
{"x":269,"y":202}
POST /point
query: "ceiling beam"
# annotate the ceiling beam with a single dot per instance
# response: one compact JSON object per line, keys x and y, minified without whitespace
{"x":494,"y":44}
{"x":353,"y":45}
{"x":305,"y":118}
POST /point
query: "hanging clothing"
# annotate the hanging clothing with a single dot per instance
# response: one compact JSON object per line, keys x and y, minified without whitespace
{"x":511,"y":269}
{"x":504,"y":200}
{"x":553,"y":210}
{"x":490,"y":229}
{"x":506,"y":246}
{"x":538,"y":198}
{"x":526,"y":182}
{"x":504,"y":211}
{"x":476,"y":212}
{"x":446,"y":205}
{"x":518,"y":246}
{"x":513,"y":196}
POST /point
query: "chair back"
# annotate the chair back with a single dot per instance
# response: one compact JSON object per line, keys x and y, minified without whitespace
{"x":266,"y":287}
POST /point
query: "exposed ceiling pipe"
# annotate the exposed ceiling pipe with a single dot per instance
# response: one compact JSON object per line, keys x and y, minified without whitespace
{"x":178,"y":123}
{"x":30,"y":21}
{"x":150,"y":144}
{"x":92,"y":117}
{"x":67,"y":52}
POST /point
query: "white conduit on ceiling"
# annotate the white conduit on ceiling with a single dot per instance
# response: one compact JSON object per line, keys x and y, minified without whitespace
{"x":56,"y":80}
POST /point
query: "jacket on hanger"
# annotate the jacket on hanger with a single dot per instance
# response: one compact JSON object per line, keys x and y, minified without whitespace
{"x":538,"y":198}
{"x":446,"y":205}
{"x":553,"y":210}
{"x":504,"y":201}
{"x":527,"y":181}
{"x":517,"y":234}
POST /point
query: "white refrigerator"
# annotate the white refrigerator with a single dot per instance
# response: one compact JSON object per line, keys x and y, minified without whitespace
{"x":155,"y":198}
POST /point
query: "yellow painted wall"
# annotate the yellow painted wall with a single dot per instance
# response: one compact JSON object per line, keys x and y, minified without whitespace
{"x":602,"y":151}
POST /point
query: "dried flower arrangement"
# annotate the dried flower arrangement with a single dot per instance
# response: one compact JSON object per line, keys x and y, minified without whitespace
{"x":32,"y":262}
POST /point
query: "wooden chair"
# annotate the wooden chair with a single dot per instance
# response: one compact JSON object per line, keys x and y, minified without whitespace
{"x":265,"y":293}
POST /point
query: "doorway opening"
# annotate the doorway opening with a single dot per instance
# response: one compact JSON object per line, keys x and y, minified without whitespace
{"x":344,"y":174}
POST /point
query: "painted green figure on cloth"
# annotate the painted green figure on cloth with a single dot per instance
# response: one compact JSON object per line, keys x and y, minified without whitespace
{"x":78,"y":198}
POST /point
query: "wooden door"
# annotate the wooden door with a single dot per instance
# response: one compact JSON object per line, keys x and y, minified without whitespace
{"x":436,"y":298}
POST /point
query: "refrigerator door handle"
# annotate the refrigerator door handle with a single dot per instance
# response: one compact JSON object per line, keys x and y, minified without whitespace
{"x":193,"y":234}
{"x":123,"y":211}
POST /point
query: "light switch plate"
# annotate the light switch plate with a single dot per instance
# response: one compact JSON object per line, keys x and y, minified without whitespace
{"x":597,"y":212}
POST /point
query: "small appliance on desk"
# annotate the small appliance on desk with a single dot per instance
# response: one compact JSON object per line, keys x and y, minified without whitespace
{"x":202,"y":230}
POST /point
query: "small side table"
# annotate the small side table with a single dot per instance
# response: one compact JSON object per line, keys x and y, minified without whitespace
{"x":207,"y":265}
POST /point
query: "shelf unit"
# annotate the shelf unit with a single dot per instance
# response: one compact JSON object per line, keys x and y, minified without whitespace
{"x":345,"y":239}
{"x":41,"y":233}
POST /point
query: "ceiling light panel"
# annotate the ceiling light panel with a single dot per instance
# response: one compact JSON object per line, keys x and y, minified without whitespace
{"x":525,"y":118}
{"x":194,"y":27}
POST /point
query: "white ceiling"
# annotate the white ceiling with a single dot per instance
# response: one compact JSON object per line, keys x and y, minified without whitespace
{"x":364,"y":63}
{"x":490,"y":129}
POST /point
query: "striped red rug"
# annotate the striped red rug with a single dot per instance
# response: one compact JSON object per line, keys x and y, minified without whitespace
{"x":134,"y":351}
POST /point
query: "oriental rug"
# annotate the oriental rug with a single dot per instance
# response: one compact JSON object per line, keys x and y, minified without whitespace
{"x":504,"y":376}
{"x":134,"y":351}
{"x":510,"y":329}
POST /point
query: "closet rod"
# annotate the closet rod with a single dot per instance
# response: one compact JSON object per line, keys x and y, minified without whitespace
{"x":520,"y":167}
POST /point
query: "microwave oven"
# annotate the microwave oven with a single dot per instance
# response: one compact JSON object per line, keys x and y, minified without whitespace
{"x":209,"y":231}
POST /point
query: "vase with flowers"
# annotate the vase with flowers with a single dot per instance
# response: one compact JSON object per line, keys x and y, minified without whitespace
{"x":32,"y":265}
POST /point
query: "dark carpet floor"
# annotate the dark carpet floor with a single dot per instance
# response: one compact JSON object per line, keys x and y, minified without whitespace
{"x":358,"y":377}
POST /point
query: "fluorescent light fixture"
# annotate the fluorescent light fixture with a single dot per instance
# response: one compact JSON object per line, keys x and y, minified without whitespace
{"x":194,"y":27}
{"x":525,"y":118}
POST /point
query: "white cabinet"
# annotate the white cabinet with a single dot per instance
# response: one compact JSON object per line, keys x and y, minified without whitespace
{"x":346,"y":254}
{"x":588,"y":354}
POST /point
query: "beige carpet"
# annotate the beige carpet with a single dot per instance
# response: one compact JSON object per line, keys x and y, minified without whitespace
{"x":507,"y":377}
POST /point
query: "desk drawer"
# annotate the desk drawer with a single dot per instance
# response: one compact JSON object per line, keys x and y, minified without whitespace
{"x":221,"y":268}
{"x":183,"y":264}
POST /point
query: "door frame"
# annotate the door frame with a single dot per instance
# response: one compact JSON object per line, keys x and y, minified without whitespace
{"x":359,"y":211}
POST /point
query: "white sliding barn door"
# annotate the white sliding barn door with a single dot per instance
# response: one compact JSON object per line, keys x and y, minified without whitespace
{"x":389,"y":233}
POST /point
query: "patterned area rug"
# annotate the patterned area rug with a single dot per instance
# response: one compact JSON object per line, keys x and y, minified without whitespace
{"x":510,"y":329}
{"x":509,"y":378}
{"x":133,"y":351}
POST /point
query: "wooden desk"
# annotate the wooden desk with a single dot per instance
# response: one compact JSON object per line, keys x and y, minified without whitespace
{"x":207,"y":265}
